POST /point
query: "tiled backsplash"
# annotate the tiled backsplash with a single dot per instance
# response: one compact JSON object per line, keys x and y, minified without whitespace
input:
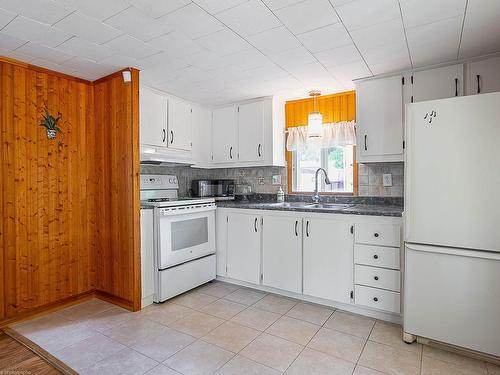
{"x":260,"y":178}
{"x":370,"y":179}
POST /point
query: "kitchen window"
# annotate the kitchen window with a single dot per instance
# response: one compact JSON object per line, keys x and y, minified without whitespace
{"x":338,"y":161}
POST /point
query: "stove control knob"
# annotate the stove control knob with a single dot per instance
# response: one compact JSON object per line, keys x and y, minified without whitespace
{"x":170,"y":181}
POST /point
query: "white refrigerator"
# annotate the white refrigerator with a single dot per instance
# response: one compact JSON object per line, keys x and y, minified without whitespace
{"x":452,"y":222}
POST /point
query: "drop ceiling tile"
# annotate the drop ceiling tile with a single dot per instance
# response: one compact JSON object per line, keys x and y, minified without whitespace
{"x":206,"y":60}
{"x":98,"y":9}
{"x":28,"y":29}
{"x":191,"y":74}
{"x":249,"y":18}
{"x":215,"y":6}
{"x":292,"y":58}
{"x":481,"y":34}
{"x":176,"y":44}
{"x":313,"y":72}
{"x":248,"y":59}
{"x":135,"y":23}
{"x":83,"y":48}
{"x":158,"y":8}
{"x":56,"y":67}
{"x":390,"y":32}
{"x":46,"y":11}
{"x":278,"y":4}
{"x":421,"y":12}
{"x":15,"y":55}
{"x":307,"y":15}
{"x":88,"y":28}
{"x":350,"y":71}
{"x":192,"y":21}
{"x":434,"y":42}
{"x":131,"y":47}
{"x":45,"y":53}
{"x":89,"y":67}
{"x":223,"y":42}
{"x":362,"y":13}
{"x":338,"y":56}
{"x":10,"y":42}
{"x":391,"y":66}
{"x":267,"y":72}
{"x":6,"y":17}
{"x":324,"y":38}
{"x":274,"y":40}
{"x":120,"y":61}
{"x":164,"y":60}
{"x":386,"y":53}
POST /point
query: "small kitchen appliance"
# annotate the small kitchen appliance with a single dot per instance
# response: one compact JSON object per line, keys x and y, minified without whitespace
{"x":218,"y":189}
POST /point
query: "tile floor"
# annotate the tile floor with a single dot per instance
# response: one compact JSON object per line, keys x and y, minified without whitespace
{"x":224,"y":329}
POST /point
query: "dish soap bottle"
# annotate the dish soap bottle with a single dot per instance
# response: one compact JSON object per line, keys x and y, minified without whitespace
{"x":280,"y":196}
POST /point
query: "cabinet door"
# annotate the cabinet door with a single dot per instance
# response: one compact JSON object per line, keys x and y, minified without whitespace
{"x":180,"y":117}
{"x":379,"y":115}
{"x":328,"y":259}
{"x":153,"y":127}
{"x":225,"y":124}
{"x":282,"y":252}
{"x":202,"y":136}
{"x":438,"y":83}
{"x":243,"y":247}
{"x":251,"y":131}
{"x":484,"y":76}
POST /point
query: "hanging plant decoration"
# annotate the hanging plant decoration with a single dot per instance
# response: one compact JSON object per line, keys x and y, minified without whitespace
{"x":49,"y":122}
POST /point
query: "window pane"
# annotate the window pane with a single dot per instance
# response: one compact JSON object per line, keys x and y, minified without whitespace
{"x":339,"y":164}
{"x":307,"y":161}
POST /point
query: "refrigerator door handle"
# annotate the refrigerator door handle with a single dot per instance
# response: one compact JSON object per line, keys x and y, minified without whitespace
{"x":453,"y":251}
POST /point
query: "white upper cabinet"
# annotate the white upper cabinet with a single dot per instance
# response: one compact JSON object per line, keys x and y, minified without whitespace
{"x":251,"y":123}
{"x":439,"y":83}
{"x":202,"y":136}
{"x":153,"y":121}
{"x":328,"y":259}
{"x":484,"y":76}
{"x":380,"y":119}
{"x":180,"y":118}
{"x":224,"y":134}
{"x":282,"y":252}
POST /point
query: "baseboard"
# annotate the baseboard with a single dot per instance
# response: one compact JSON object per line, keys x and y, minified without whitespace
{"x":129,"y":305}
{"x":388,"y":317}
{"x":53,"y":361}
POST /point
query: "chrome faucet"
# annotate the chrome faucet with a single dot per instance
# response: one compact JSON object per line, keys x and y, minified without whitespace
{"x":327,"y":181}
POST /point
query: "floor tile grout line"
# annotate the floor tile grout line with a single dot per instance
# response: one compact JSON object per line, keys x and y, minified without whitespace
{"x":364,"y":346}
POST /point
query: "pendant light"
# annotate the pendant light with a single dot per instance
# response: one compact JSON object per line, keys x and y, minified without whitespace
{"x":315,"y":119}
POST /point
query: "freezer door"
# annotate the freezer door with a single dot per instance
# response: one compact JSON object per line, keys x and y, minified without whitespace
{"x":453,"y":296}
{"x":452,"y":172}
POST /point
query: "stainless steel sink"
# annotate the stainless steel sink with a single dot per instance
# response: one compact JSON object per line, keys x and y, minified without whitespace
{"x":290,"y":204}
{"x":329,"y":206}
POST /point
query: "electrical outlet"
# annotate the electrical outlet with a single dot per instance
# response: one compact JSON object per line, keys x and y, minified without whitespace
{"x":276,"y":179}
{"x":387,"y":179}
{"x":261,"y":181}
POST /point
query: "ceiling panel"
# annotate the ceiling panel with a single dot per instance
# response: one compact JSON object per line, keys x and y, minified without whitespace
{"x":215,"y":6}
{"x":223,"y":42}
{"x":278,"y":4}
{"x":87,"y":27}
{"x":176,"y":44}
{"x":324,"y":38}
{"x":131,"y":47}
{"x":96,"y":8}
{"x":421,"y":12}
{"x":46,"y":11}
{"x":387,"y":52}
{"x":157,"y":8}
{"x":249,"y":18}
{"x":339,"y":56}
{"x":81,"y":47}
{"x":362,"y":13}
{"x":139,"y":25}
{"x":28,"y":29}
{"x":192,"y":21}
{"x":5,"y":17}
{"x":381,"y":34}
{"x":247,"y":59}
{"x":434,"y":42}
{"x":292,"y":58}
{"x":10,"y":42}
{"x":274,"y":41}
{"x":46,"y":53}
{"x":307,"y":15}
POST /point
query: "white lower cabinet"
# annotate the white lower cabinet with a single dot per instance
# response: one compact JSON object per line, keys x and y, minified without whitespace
{"x":328,"y":254}
{"x":282,"y":252}
{"x":243,"y":246}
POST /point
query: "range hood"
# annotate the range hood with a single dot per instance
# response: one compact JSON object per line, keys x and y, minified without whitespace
{"x":161,"y":155}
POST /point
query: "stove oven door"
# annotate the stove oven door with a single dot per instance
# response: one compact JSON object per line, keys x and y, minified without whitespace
{"x":184,"y":234}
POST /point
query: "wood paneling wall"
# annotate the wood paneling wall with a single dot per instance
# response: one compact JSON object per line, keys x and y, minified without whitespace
{"x":62,"y":233}
{"x":117,"y":174}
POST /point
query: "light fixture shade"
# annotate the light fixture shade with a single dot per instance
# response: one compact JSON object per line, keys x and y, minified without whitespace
{"x":315,"y":125}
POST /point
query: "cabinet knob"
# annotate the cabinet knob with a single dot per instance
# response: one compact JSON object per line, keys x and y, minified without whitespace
{"x":375,"y":256}
{"x":376,"y":278}
{"x":376,"y":234}
{"x":375,"y":299}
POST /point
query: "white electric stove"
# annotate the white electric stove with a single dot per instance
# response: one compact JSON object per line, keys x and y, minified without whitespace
{"x":182,"y":242}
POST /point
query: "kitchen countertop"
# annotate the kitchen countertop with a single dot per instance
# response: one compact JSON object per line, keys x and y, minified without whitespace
{"x":350,"y":209}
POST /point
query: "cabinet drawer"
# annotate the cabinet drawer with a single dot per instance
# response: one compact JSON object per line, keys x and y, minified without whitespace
{"x":377,"y":234}
{"x":377,"y":277}
{"x":377,"y":298}
{"x":388,"y":257}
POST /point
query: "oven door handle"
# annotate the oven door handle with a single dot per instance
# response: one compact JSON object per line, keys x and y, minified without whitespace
{"x":185,"y":210}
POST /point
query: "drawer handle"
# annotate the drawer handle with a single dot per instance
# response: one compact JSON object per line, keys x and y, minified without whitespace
{"x":376,"y":234}
{"x":375,"y":256}
{"x":376,"y":278}
{"x":375,"y":299}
